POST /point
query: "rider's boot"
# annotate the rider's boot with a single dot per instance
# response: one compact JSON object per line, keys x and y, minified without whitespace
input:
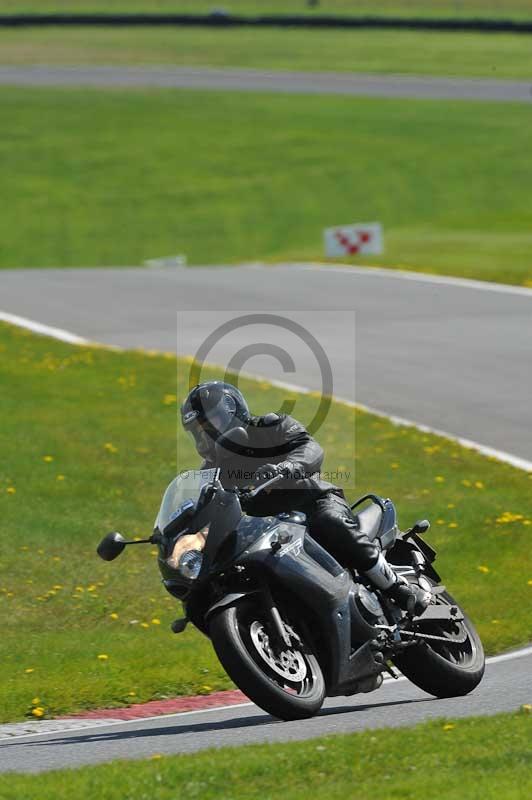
{"x":408,"y":596}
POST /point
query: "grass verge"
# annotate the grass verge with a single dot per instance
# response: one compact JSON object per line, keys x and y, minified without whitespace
{"x":410,"y":8}
{"x":110,"y":177}
{"x":484,"y":757}
{"x":90,"y":442}
{"x":374,"y":51}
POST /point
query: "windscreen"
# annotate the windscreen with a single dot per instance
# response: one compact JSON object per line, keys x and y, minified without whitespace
{"x":187,"y":486}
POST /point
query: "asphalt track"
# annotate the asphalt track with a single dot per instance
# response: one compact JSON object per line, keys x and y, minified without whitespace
{"x":505,"y":687}
{"x":453,"y":355}
{"x":250,"y":80}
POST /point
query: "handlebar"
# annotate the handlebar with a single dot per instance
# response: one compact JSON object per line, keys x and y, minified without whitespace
{"x":254,"y":492}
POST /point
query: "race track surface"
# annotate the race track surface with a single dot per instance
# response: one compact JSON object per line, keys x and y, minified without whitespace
{"x":506,"y":686}
{"x":250,"y":80}
{"x":453,"y":356}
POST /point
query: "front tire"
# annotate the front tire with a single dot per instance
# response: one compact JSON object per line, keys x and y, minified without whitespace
{"x":450,"y":668}
{"x":287,"y":684}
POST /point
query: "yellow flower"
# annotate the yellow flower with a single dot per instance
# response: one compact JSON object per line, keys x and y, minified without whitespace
{"x":453,"y":524}
{"x":57,"y":586}
{"x":35,"y":701}
{"x":156,"y":622}
{"x":448,"y":726}
{"x":529,"y":583}
{"x":11,"y":490}
{"x":132,"y":694}
{"x":103,"y":657}
{"x":38,"y":712}
{"x":110,"y":447}
{"x":466,"y":483}
{"x":144,"y":625}
{"x":60,"y":478}
{"x":169,"y":399}
{"x":155,"y":756}
{"x":30,"y":669}
{"x":483,"y":569}
{"x":450,"y":505}
{"x":527,"y":708}
{"x":47,"y":459}
{"x":114,"y":615}
{"x":479,"y":485}
{"x":439,"y":479}
{"x":394,"y":465}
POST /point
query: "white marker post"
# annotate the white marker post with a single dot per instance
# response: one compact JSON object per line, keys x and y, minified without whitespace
{"x":351,"y":240}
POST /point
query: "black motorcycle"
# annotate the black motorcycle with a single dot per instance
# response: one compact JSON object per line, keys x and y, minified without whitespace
{"x":290,"y":624}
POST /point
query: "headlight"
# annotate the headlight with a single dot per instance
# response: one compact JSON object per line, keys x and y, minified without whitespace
{"x":190,"y":564}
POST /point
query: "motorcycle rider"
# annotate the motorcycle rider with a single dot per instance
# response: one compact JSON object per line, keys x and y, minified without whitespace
{"x":274,"y":445}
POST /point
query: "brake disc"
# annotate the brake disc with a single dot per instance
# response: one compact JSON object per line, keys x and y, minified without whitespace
{"x":289,"y":664}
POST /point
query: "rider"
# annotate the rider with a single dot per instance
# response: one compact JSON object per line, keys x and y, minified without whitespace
{"x":275,"y":445}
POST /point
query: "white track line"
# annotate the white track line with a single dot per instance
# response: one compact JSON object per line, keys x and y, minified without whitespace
{"x":44,"y":330}
{"x":526,"y":651}
{"x":485,"y":450}
{"x":421,"y":277}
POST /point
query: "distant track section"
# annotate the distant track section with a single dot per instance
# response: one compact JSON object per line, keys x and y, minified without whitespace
{"x":254,"y":80}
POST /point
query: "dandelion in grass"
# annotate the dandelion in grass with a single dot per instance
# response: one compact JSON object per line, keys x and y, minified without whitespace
{"x":11,"y":490}
{"x":103,"y":657}
{"x":439,"y":479}
{"x":29,"y":670}
{"x":38,"y":712}
{"x":114,"y":615}
{"x":48,"y":459}
{"x":483,"y":568}
{"x":110,"y":447}
{"x":448,"y":726}
{"x":156,"y":621}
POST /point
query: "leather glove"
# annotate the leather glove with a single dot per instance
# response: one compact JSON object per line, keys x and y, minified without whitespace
{"x":288,"y":469}
{"x":266,"y":472}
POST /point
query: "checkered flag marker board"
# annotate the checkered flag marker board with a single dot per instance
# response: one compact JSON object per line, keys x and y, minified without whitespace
{"x":353,"y":240}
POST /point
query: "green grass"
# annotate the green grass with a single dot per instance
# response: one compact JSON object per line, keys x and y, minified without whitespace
{"x":109,"y":178}
{"x":374,"y":51}
{"x":484,"y":758}
{"x":91,"y":440}
{"x":405,"y":8}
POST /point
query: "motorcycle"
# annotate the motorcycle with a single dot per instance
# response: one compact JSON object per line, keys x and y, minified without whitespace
{"x":291,"y":625}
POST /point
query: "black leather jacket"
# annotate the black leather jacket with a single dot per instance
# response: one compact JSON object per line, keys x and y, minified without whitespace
{"x":272,"y":440}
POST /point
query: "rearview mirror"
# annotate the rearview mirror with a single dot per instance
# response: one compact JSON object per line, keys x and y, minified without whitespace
{"x":111,"y":546}
{"x":421,"y":526}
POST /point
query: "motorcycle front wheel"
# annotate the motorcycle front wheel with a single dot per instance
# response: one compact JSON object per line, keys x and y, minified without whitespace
{"x":286,"y":682}
{"x":450,"y":665}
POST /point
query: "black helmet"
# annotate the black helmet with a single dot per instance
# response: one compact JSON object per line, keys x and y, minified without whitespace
{"x":211,"y":409}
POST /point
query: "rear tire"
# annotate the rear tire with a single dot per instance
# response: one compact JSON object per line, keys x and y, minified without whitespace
{"x":449,"y":668}
{"x":288,"y":685}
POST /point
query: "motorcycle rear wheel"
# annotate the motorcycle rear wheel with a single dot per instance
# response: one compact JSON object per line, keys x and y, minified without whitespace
{"x":450,"y":668}
{"x":287,"y":684}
